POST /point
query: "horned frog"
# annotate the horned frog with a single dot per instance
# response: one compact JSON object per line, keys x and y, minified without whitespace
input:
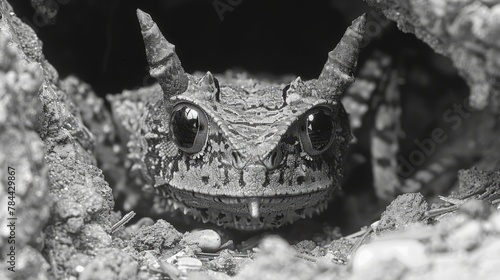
{"x":245,"y":154}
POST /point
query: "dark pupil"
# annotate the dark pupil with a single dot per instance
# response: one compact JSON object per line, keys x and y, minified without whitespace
{"x":185,"y":126}
{"x":319,"y":129}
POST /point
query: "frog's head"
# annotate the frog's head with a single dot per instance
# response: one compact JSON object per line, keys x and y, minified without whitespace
{"x":247,"y":154}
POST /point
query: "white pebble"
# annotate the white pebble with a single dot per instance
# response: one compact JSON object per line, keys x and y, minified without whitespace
{"x":409,"y":252}
{"x":208,"y":240}
{"x":189,"y":264}
{"x":495,"y":221}
{"x":465,"y":237}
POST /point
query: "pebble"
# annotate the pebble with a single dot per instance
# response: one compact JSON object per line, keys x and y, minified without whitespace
{"x":198,"y":275}
{"x":146,"y":221}
{"x":495,"y":221}
{"x":405,"y":209}
{"x":215,"y":275}
{"x":465,"y":237}
{"x":409,"y":252}
{"x":208,"y":240}
{"x":476,"y":209}
{"x":189,"y":264}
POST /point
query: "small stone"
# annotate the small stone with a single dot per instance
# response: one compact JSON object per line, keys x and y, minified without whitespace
{"x":216,"y":275}
{"x":305,"y":246}
{"x":159,"y":236}
{"x":145,"y":221}
{"x":225,"y":262}
{"x":171,"y":270}
{"x":207,"y":240}
{"x":67,"y":208}
{"x":79,"y":269}
{"x":466,"y":237}
{"x":189,"y":264}
{"x":476,"y":209}
{"x":150,"y":260}
{"x":410,"y":253}
{"x":75,"y":225}
{"x":487,"y":258}
{"x":275,"y":245}
{"x":198,"y":275}
{"x":94,"y":236}
{"x":495,"y":221}
{"x":405,"y":209}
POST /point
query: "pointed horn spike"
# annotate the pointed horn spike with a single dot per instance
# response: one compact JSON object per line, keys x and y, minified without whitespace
{"x":338,"y":71}
{"x":164,"y":64}
{"x":211,"y":85}
{"x":145,"y":20}
{"x":253,"y":207}
{"x":207,"y":79}
{"x":295,"y":83}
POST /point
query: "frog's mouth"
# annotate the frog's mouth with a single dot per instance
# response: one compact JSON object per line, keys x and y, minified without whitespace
{"x":246,"y":213}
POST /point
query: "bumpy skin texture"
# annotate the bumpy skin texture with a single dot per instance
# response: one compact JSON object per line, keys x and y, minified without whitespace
{"x":252,"y":171}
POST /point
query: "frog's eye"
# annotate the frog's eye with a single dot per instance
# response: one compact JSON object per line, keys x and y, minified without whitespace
{"x":316,"y":130}
{"x":189,"y":128}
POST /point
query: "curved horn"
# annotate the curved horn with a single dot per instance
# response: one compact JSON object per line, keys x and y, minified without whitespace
{"x":338,"y":71}
{"x":164,"y":64}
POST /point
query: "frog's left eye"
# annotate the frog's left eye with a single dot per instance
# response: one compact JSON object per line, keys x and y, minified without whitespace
{"x":317,"y":130}
{"x":189,"y":128}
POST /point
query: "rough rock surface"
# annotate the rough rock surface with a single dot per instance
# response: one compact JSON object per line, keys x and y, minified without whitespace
{"x":404,"y":210}
{"x":50,"y":149}
{"x":465,"y":31}
{"x":25,"y":190}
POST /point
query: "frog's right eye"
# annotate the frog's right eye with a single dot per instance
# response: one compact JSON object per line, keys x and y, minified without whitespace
{"x":189,"y":128}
